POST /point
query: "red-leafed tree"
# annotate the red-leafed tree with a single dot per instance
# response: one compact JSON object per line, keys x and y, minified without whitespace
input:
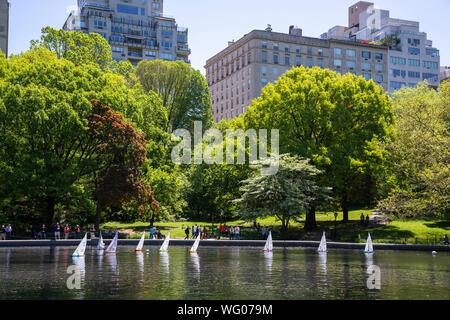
{"x":121,"y":151}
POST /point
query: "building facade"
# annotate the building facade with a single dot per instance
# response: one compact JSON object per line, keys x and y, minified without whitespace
{"x":237,"y":74}
{"x":412,"y":57}
{"x":136,"y":29}
{"x":4,"y":26}
{"x":445,"y":73}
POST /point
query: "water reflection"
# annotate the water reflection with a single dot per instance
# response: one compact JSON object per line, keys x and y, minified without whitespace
{"x":195,"y":260}
{"x":164,"y":261}
{"x":214,"y":274}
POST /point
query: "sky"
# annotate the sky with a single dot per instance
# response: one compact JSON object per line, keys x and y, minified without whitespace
{"x":212,"y":23}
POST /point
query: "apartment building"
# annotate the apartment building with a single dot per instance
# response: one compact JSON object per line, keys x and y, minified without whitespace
{"x":136,"y":29}
{"x":4,"y":26}
{"x":445,"y":73}
{"x":412,"y":57}
{"x":237,"y":74}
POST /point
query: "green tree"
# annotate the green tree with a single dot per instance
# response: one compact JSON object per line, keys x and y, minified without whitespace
{"x":419,"y":153}
{"x":44,"y":106}
{"x":286,"y":195}
{"x":182,"y":89}
{"x":331,"y":119}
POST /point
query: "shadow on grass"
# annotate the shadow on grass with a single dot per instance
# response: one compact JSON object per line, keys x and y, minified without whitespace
{"x":438,"y":224}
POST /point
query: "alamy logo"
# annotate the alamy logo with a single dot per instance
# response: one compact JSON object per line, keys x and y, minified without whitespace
{"x":74,"y":280}
{"x":209,"y":147}
{"x":374,"y":280}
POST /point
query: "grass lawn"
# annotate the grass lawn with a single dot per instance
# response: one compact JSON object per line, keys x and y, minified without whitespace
{"x":398,"y":231}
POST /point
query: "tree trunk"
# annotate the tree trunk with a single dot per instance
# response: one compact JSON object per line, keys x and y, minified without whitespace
{"x":310,"y":222}
{"x":344,"y":206}
{"x":50,"y":211}
{"x":152,"y":220}
{"x":98,"y":216}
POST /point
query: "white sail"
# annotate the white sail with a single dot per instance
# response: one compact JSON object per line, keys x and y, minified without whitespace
{"x":323,"y":244}
{"x":79,"y":252}
{"x":112,"y":248}
{"x":165,"y":244}
{"x":101,"y":244}
{"x":269,"y":245}
{"x":196,"y":243}
{"x":141,"y":243}
{"x":369,"y":246}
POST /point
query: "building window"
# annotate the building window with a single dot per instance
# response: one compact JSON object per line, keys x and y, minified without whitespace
{"x":378,"y":56}
{"x":275,"y":46}
{"x":298,"y":61}
{"x":320,"y":52}
{"x":351,"y":53}
{"x":264,"y":70}
{"x":398,"y":60}
{"x":367,"y":76}
{"x":287,"y":60}
{"x":275,"y":71}
{"x":275,"y":58}
{"x":379,"y":67}
{"x":414,"y":62}
{"x":413,"y":74}
{"x":337,"y":62}
{"x":432,"y":52}
{"x":415,"y":51}
{"x":121,"y":8}
{"x":337,"y":51}
{"x":309,"y":63}
{"x":430,"y":76}
{"x":366,"y":54}
{"x":309,"y":50}
{"x":351,"y":64}
{"x":320,"y":63}
{"x":430,"y":64}
{"x":366,"y":66}
{"x":264,"y":45}
{"x":287,"y":49}
{"x":264,"y":82}
{"x":397,"y":85}
{"x":264,"y":57}
{"x":298,"y":49}
{"x":379,"y":78}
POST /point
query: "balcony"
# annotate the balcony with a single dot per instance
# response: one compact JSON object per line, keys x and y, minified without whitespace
{"x":183,"y":50}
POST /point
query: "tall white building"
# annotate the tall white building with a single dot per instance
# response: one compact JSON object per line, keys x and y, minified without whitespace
{"x":412,"y":57}
{"x":136,"y":29}
{"x":4,"y":26}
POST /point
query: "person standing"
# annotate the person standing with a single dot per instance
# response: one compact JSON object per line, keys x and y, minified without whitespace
{"x":362,"y":218}
{"x":66,"y":232}
{"x":236,"y":232}
{"x":77,"y":231}
{"x":57,"y":231}
{"x":205,"y":232}
{"x":186,"y":231}
{"x":8,"y":232}
{"x":150,"y":236}
{"x":224,"y":230}
{"x":32,"y":235}
{"x":367,"y":220}
{"x":43,"y":232}
{"x":446,"y":239}
{"x":3,"y":233}
{"x":231,"y":233}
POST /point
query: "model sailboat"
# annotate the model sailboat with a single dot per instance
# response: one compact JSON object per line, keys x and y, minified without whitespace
{"x":195,"y":246}
{"x":369,"y":246}
{"x":141,"y":243}
{"x":165,"y":244}
{"x":79,"y":252}
{"x":269,"y":245}
{"x":101,"y":244}
{"x":112,"y":248}
{"x":323,"y":244}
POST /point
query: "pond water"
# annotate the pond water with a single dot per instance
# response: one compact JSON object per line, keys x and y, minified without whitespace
{"x":224,"y":273}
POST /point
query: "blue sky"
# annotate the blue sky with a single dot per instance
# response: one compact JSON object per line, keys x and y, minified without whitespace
{"x":212,"y":23}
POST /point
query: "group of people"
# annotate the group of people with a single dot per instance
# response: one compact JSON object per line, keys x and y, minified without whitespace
{"x":365,"y":220}
{"x":265,"y":231}
{"x":5,"y":232}
{"x":41,"y":233}
{"x":155,"y":233}
{"x":196,"y":231}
